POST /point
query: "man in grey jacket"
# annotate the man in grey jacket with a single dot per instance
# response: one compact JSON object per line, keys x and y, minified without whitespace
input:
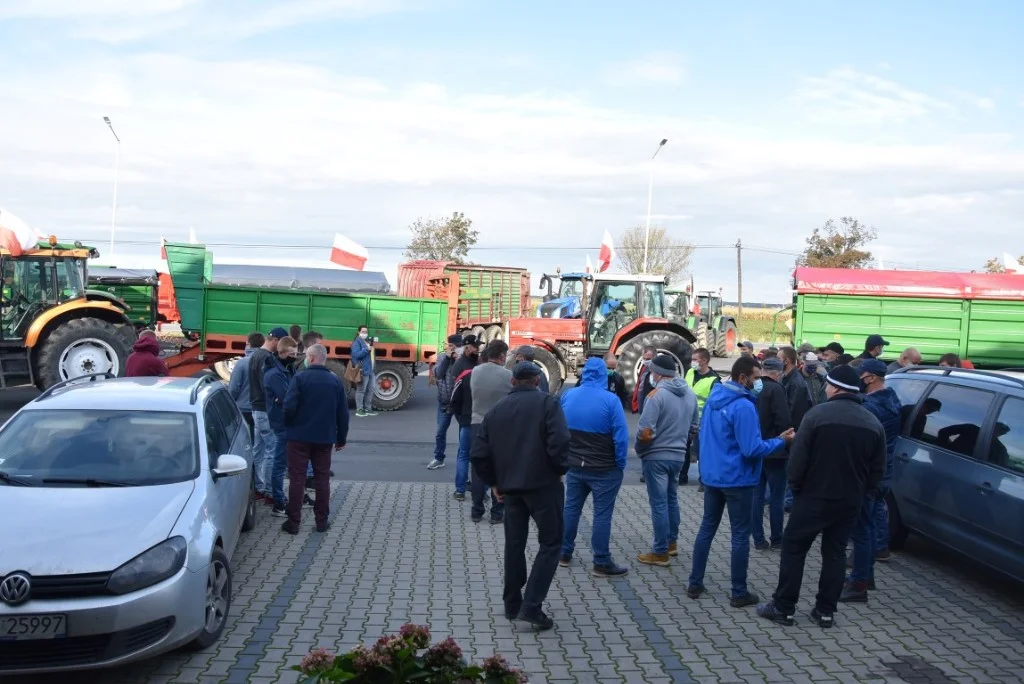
{"x":668,"y":418}
{"x":238,"y":386}
{"x":489,"y":383}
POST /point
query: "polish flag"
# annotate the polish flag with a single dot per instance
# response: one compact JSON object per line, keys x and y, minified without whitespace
{"x":163,"y":249}
{"x":606,"y":254}
{"x":15,"y":236}
{"x":348,"y":253}
{"x":590,"y":266}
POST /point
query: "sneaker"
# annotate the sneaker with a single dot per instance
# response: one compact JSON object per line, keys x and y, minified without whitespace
{"x":360,"y":413}
{"x":459,"y":496}
{"x":498,"y":521}
{"x":770,"y":612}
{"x":307,"y":501}
{"x":278,"y":512}
{"x":370,"y":413}
{"x":565,"y":561}
{"x":854,"y":592}
{"x":884,"y":555}
{"x":290,"y":527}
{"x":611,"y":570}
{"x":435,"y":464}
{"x":323,"y":527}
{"x":643,"y":479}
{"x":673,"y":549}
{"x":694,"y":591}
{"x":824,"y":620}
{"x":701,"y":487}
{"x":476,"y":518}
{"x":538,"y":620}
{"x":748,"y":599}
{"x":659,"y":559}
{"x":775,"y":546}
{"x":762,"y":546}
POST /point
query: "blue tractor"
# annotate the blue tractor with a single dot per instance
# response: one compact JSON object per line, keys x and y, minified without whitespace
{"x":573,"y":289}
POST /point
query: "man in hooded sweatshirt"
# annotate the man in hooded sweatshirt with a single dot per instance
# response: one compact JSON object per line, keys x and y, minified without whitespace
{"x":730,"y":467}
{"x":145,"y":361}
{"x":597,"y":459}
{"x":668,"y":417}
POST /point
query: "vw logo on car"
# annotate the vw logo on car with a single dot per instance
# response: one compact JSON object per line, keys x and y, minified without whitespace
{"x":15,"y":588}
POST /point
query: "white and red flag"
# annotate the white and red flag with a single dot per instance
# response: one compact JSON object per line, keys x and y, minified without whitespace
{"x":15,"y":235}
{"x":163,"y":249}
{"x":348,"y":253}
{"x":606,"y":254}
{"x":590,"y":266}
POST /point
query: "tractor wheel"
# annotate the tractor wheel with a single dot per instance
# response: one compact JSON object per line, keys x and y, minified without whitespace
{"x":631,"y":354}
{"x":81,"y":346}
{"x":478,"y":331}
{"x":548,"y":364}
{"x":701,"y":333}
{"x":725,"y":340}
{"x":225,"y":368}
{"x":493,"y":332}
{"x":393,"y":385}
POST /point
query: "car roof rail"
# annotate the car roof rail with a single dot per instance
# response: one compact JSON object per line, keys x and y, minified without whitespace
{"x":199,"y":384}
{"x":965,"y":372}
{"x":92,"y":377}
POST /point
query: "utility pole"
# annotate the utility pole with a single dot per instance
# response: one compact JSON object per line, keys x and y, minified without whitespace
{"x":650,"y":196}
{"x":117,"y":172}
{"x":739,"y":284}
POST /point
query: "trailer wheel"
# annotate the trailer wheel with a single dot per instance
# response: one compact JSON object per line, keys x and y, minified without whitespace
{"x":493,"y":332}
{"x":478,"y":331}
{"x":393,"y":385}
{"x":631,"y":354}
{"x":725,"y":340}
{"x":81,"y":346}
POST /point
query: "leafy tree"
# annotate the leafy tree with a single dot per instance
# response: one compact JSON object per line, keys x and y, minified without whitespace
{"x":665,"y":256}
{"x":997,"y":266}
{"x":839,"y":245}
{"x":444,"y":239}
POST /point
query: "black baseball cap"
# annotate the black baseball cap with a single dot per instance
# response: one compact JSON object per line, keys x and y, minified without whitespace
{"x":835,"y":347}
{"x":279,"y":333}
{"x":875,"y":341}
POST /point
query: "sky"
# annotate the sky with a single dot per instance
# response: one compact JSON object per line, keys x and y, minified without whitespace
{"x":268,"y":127}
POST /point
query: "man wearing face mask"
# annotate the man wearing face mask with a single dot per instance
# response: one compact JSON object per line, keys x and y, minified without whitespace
{"x":701,"y":378}
{"x":795,"y":385}
{"x":730,"y":468}
{"x":814,"y":374}
{"x":773,"y":410}
{"x":362,"y":356}
{"x":643,"y":381}
{"x":461,"y":406}
{"x":872,"y":524}
{"x":276,"y":379}
{"x":831,"y":353}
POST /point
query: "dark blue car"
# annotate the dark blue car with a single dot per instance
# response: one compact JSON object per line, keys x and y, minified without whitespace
{"x":959,"y":463}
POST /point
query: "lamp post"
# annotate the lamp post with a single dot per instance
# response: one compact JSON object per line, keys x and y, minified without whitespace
{"x":650,"y":195}
{"x":117,"y":172}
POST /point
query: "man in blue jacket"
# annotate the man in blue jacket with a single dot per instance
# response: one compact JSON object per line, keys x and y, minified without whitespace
{"x":276,"y":378}
{"x":597,"y":459}
{"x":315,"y":418}
{"x":731,"y":451}
{"x":885,"y":405}
{"x":238,"y":386}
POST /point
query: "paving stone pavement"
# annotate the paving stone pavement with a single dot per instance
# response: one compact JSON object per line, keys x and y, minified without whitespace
{"x":408,"y":552}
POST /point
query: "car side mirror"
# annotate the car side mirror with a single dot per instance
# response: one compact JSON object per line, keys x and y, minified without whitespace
{"x":229,"y":465}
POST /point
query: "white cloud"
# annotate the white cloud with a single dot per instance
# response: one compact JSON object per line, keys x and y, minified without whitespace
{"x":973,"y":99}
{"x":848,"y":96}
{"x":657,"y":68}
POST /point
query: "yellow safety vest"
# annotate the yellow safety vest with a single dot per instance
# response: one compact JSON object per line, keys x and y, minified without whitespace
{"x":703,"y":387}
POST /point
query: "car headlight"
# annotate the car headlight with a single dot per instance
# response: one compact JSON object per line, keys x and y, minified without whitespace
{"x":150,"y":567}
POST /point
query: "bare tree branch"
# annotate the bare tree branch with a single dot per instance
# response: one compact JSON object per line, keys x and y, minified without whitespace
{"x":665,"y":256}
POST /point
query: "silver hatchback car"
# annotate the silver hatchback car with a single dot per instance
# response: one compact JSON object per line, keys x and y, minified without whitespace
{"x":124,"y":501}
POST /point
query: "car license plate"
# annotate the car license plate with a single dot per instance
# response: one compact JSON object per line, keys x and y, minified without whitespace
{"x":25,"y":627}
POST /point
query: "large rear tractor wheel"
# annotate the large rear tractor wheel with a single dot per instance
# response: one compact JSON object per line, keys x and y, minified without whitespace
{"x":393,"y":385}
{"x":701,"y":333}
{"x":82,"y":346}
{"x":548,"y":364}
{"x":725,"y":340}
{"x":632,"y":353}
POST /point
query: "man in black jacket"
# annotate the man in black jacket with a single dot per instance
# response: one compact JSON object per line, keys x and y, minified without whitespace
{"x":773,"y":411}
{"x":795,"y":385}
{"x":523,"y":447}
{"x":461,"y":407}
{"x":839,"y":453}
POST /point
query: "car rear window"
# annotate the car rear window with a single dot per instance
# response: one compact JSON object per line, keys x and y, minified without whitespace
{"x":97,"y":448}
{"x":951,"y":417}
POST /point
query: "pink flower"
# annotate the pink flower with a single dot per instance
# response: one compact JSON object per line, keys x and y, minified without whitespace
{"x":316,"y":661}
{"x":418,"y":636}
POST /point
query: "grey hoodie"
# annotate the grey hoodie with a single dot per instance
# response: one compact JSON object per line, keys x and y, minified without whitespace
{"x":670,"y":413}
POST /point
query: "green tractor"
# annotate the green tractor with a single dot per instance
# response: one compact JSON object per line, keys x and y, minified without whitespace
{"x":714,"y":330}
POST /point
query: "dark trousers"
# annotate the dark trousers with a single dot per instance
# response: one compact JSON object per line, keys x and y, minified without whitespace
{"x":833,"y":520}
{"x":545,"y":507}
{"x":773,"y":479}
{"x":300,"y":455}
{"x":480,"y":489}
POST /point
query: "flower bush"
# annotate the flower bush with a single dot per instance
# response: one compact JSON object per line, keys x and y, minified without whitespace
{"x":406,"y":657}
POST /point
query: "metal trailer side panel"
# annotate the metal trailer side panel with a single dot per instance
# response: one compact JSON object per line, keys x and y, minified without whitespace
{"x":996,"y":334}
{"x":488,"y":294}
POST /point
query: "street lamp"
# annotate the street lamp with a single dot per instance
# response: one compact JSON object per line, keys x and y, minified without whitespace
{"x":650,"y":194}
{"x":117,"y":172}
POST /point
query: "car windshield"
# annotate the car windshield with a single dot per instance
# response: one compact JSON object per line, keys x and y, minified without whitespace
{"x":86,"y":448}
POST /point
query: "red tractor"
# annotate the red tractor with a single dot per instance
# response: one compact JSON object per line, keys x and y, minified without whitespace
{"x":622,"y":314}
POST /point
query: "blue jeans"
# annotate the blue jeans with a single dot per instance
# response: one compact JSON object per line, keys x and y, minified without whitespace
{"x":662,"y":489}
{"x":444,"y":421}
{"x":881,"y":524}
{"x":739,"y":501}
{"x":462,"y":464}
{"x":364,"y":393}
{"x":863,"y":538}
{"x":278,"y":467}
{"x":773,"y":478}
{"x":580,"y":483}
{"x":262,"y":451}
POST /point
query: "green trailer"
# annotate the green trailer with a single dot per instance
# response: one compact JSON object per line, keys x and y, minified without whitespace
{"x":137,"y":289}
{"x":220,"y":316}
{"x":978,"y":316}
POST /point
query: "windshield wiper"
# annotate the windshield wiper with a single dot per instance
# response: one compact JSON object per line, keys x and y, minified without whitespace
{"x":87,"y":481}
{"x":15,"y":481}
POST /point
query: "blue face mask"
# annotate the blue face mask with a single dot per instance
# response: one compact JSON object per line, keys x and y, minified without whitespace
{"x":758,"y":386}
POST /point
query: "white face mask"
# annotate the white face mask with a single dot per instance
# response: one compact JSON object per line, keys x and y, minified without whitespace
{"x":695,"y":365}
{"x":364,"y":334}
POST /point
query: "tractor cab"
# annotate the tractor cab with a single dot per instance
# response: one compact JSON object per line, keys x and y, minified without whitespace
{"x":617,"y":301}
{"x":32,"y":284}
{"x":570,"y":300}
{"x":710,"y":304}
{"x":677,"y":304}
